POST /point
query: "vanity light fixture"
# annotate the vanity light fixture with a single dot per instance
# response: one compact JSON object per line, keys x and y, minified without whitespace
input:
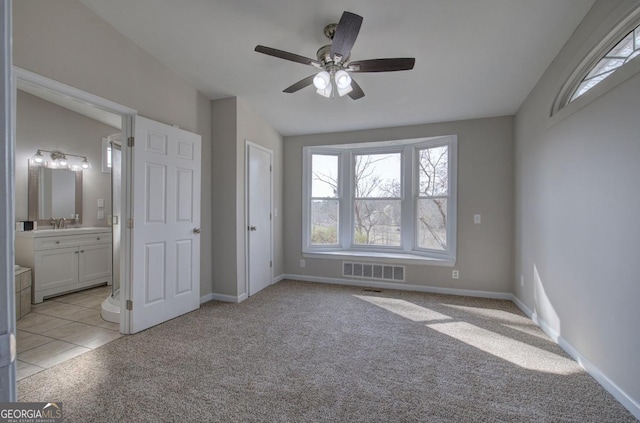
{"x":59,"y":160}
{"x":38,"y":158}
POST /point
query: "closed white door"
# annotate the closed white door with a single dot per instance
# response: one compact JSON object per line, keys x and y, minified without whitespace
{"x":165,"y":240}
{"x":259,"y":218}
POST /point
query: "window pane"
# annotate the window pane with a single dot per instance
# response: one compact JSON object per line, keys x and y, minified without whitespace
{"x":633,"y":55}
{"x":324,"y":172}
{"x":324,"y":222}
{"x":623,"y":48}
{"x":433,"y":168}
{"x":378,"y":175}
{"x":432,"y":223}
{"x":377,"y":222}
{"x":605,"y":65}
{"x":587,"y":85}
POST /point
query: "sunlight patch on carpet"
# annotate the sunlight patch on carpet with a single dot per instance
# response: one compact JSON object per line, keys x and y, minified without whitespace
{"x":506,"y":348}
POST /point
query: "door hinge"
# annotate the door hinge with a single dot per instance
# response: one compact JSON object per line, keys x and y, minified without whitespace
{"x":131,"y":142}
{"x":129,"y":305}
{"x":270,"y":216}
{"x":270,"y":168}
{"x":130,"y":223}
{"x":270,"y":264}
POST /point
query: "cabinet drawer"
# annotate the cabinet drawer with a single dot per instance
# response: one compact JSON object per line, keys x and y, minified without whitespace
{"x":71,"y":241}
{"x":25,"y":280}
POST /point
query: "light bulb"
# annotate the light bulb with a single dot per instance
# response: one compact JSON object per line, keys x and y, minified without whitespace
{"x":86,"y":164}
{"x":326,"y":92}
{"x":343,"y":80}
{"x":37,"y":158}
{"x":322,"y":80}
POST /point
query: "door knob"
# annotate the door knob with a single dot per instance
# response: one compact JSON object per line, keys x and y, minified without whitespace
{"x":196,"y":230}
{"x":252,"y":228}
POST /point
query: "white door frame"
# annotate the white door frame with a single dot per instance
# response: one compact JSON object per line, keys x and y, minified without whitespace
{"x":127,"y":114}
{"x":248,"y":144}
{"x":7,"y":234}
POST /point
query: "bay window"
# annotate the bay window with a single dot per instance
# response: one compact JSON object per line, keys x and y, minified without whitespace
{"x":394,"y":199}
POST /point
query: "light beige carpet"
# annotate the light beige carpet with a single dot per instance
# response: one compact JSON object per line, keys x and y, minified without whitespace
{"x":304,"y":352}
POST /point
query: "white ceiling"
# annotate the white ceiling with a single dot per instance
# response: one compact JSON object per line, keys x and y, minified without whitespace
{"x":474,"y":58}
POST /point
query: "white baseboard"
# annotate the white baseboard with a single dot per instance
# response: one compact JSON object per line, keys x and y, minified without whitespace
{"x":278,"y":279}
{"x":401,"y":286}
{"x":223,"y":298}
{"x":206,"y":298}
{"x":629,"y":403}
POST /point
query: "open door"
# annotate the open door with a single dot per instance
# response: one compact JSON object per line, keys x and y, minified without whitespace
{"x":165,"y":241}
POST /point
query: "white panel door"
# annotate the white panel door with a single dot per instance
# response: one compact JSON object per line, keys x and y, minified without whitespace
{"x":259,"y":218}
{"x":165,"y":240}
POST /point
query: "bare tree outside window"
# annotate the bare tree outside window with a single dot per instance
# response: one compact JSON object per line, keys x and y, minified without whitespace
{"x":377,"y":203}
{"x":433,"y":170}
{"x":324,"y":200}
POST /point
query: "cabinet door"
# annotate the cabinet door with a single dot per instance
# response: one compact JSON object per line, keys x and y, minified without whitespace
{"x":56,"y":268}
{"x":95,"y":262}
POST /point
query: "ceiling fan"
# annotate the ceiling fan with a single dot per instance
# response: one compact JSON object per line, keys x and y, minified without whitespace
{"x":334,"y":61}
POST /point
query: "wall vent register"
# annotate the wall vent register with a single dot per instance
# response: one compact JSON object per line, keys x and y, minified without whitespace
{"x":373,"y":271}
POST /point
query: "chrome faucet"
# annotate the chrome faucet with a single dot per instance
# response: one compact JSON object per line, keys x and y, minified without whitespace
{"x":53,"y":222}
{"x":62,"y":223}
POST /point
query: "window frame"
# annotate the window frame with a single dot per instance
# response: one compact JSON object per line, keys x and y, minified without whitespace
{"x":408,"y":251}
{"x":603,"y":40}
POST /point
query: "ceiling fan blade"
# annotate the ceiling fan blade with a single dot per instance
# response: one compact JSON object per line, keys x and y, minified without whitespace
{"x":346,"y":34}
{"x":356,"y":92}
{"x":287,"y":56}
{"x":382,"y":65}
{"x":300,"y":84}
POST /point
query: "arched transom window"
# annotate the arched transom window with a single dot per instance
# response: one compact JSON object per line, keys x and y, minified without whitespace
{"x":624,"y":51}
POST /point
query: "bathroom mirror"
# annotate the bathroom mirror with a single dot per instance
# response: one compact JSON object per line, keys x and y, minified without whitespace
{"x":54,"y":193}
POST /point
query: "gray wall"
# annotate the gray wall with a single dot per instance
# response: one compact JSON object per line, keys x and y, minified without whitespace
{"x":577,"y":209}
{"x":65,"y":41}
{"x":485,"y":186}
{"x":41,"y":124}
{"x":234,"y":123}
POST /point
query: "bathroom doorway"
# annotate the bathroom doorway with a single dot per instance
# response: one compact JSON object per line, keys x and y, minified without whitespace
{"x":65,"y":324}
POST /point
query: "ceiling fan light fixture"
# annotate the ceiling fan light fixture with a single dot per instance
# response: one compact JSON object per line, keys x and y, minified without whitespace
{"x":322,"y":80}
{"x":343,"y":80}
{"x":326,"y":91}
{"x":343,"y":91}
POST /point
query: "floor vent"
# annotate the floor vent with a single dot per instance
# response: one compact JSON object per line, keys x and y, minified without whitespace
{"x":373,"y":271}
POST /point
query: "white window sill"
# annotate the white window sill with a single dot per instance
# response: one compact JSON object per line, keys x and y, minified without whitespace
{"x":371,"y":256}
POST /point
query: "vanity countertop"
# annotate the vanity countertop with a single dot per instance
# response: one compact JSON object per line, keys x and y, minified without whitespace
{"x":39,"y":233}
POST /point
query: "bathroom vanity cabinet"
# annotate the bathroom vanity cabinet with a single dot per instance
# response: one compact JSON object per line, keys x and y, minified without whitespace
{"x":65,"y":260}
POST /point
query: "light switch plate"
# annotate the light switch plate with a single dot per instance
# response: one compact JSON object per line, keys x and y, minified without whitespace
{"x":100,"y":202}
{"x":477,"y":219}
{"x":100,"y":215}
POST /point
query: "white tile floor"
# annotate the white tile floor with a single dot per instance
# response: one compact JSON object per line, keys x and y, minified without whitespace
{"x":62,"y":328}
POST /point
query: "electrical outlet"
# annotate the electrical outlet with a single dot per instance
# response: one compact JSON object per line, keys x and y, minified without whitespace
{"x":302,"y":263}
{"x":100,"y":203}
{"x":455,"y":274}
{"x":100,"y":215}
{"x":477,"y":219}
